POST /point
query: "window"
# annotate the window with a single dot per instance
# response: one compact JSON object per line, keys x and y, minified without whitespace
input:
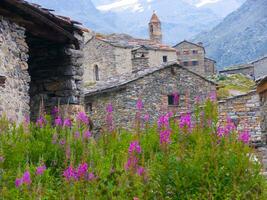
{"x":173,"y":100}
{"x":151,"y":28}
{"x":185,"y":63}
{"x":2,"y":81}
{"x":194,"y":63}
{"x":186,"y":52}
{"x":96,"y":69}
{"x":195,"y":51}
{"x":143,"y":55}
{"x":165,"y":59}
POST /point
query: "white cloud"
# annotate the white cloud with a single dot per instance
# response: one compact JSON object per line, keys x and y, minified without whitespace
{"x":122,"y":5}
{"x":204,"y":2}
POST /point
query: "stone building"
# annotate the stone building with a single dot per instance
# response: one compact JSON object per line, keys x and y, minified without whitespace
{"x":245,"y":69}
{"x":193,"y":57}
{"x":262,"y":91}
{"x":260,"y":67}
{"x":40,"y":60}
{"x":155,"y":86}
{"x":245,"y":112}
{"x":113,"y":55}
{"x":155,"y":32}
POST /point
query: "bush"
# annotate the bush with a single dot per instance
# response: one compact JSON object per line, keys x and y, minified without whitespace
{"x":188,"y":158}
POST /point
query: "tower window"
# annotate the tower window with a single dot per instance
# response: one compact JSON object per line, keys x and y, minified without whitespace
{"x":151,"y":28}
{"x":165,"y":59}
{"x":96,"y":70}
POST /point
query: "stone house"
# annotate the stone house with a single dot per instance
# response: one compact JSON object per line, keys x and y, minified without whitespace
{"x":245,"y":111}
{"x":107,"y":56}
{"x":262,"y":91}
{"x":193,"y":57}
{"x":40,"y":60}
{"x":260,"y":67}
{"x":155,"y":86}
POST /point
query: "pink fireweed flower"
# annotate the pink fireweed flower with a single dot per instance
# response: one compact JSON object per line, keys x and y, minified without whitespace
{"x":146,"y":118}
{"x":109,"y":108}
{"x":40,"y":122}
{"x":26,"y":178}
{"x":140,"y":171}
{"x":54,"y":111}
{"x":213,"y":96}
{"x":26,"y":119}
{"x":197,"y":99}
{"x":165,"y":137}
{"x":40,"y":170}
{"x":87,"y":134}
{"x":163,"y":121}
{"x":185,"y":121}
{"x":70,"y":174}
{"x":77,"y":135}
{"x":139,"y":105}
{"x":131,"y":163}
{"x":134,"y":147}
{"x":18,"y":182}
{"x":244,"y":137}
{"x":220,"y":131}
{"x":58,"y":121}
{"x":82,"y":117}
{"x":230,"y":126}
{"x":67,"y":123}
{"x":62,"y":142}
{"x":91,"y":176}
{"x":82,"y":170}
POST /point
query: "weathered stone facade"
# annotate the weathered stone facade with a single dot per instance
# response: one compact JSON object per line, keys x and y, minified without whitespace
{"x":114,"y":58}
{"x":40,"y":61}
{"x":245,"y":112}
{"x":155,"y":33}
{"x":192,"y":56}
{"x":154,"y":88}
{"x":14,"y":99}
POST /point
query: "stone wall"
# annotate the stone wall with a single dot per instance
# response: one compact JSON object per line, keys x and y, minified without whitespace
{"x":210,"y":68}
{"x":263,"y":103}
{"x":14,"y":98}
{"x":153,"y":89}
{"x":56,"y":72}
{"x":156,"y":57}
{"x":190,"y":56}
{"x":245,"y":111}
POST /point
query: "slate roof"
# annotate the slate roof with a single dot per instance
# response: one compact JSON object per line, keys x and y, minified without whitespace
{"x":185,"y":41}
{"x":126,"y":41}
{"x":121,"y":81}
{"x":236,"y":67}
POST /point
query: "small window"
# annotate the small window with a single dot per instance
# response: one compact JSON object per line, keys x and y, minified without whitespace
{"x":185,"y":63}
{"x":165,"y":59}
{"x":195,"y":51}
{"x":2,"y":81}
{"x":151,"y":28}
{"x":89,"y":107}
{"x":173,"y":100}
{"x":96,"y":69}
{"x":143,"y":55}
{"x":194,"y":63}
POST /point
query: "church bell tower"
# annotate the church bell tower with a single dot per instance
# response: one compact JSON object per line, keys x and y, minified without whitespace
{"x":155,"y":29}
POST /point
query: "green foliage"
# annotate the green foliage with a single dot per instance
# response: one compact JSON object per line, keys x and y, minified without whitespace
{"x":196,"y":164}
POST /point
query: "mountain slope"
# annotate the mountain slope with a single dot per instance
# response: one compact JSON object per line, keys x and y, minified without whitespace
{"x":241,"y":37}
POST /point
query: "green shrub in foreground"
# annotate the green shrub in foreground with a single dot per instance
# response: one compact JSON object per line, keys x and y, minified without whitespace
{"x":173,"y":159}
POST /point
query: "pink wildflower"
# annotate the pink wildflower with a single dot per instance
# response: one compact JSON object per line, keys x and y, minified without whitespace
{"x":91,"y":176}
{"x":26,"y":178}
{"x":131,"y":163}
{"x":165,"y":136}
{"x":87,"y":134}
{"x":77,"y":135}
{"x":82,"y":117}
{"x":54,"y":111}
{"x":109,"y":108}
{"x":70,"y":174}
{"x":244,"y":137}
{"x":40,"y":170}
{"x":26,"y":119}
{"x":18,"y":182}
{"x":139,"y":104}
{"x":140,"y":171}
{"x":40,"y":122}
{"x":185,"y":121}
{"x":62,"y":142}
{"x":163,"y":121}
{"x":58,"y":121}
{"x":146,"y":118}
{"x":134,"y":147}
{"x":67,"y":123}
{"x":197,"y":99}
{"x":213,"y":96}
{"x":82,"y":170}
